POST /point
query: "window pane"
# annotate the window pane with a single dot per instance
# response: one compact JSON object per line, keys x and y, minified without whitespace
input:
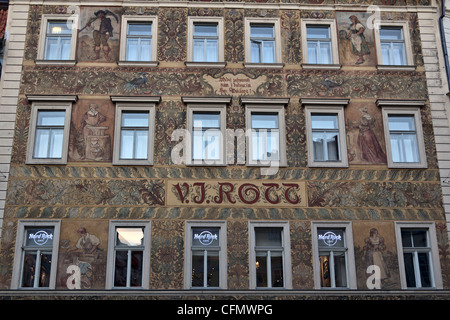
{"x":213,"y":269}
{"x":262,"y":31}
{"x":277,"y":268}
{"x":206,"y":120}
{"x":199,"y":50}
{"x":205,"y":30}
{"x":313,"y":52}
{"x":44,"y":274}
{"x":126,"y":144}
{"x":51,"y":118}
{"x":325,"y":53}
{"x":132,"y":49}
{"x":120,"y":272}
{"x":135,"y":119}
{"x":404,"y":148}
{"x":326,"y":146}
{"x":391,"y":33}
{"x":324,"y":121}
{"x":146,"y":50}
{"x":420,"y":239}
{"x":325,"y":278}
{"x":59,"y":27}
{"x":409,"y":269}
{"x":264,"y":121}
{"x":203,"y":236}
{"x":42,"y":237}
{"x":64,"y":53}
{"x":398,"y":52}
{"x":56,"y":143}
{"x":139,"y":29}
{"x":265,"y":144}
{"x":269,"y":52}
{"x":29,"y":267}
{"x":136,"y":268}
{"x":212,"y":51}
{"x":255,"y":51}
{"x":424,"y":267}
{"x":197,"y":268}
{"x":317,"y":32}
{"x":268,"y":237}
{"x":141,"y":146}
{"x":330,"y":238}
{"x":340,"y":270}
{"x":261,"y":269}
{"x":41,"y":143}
{"x":386,"y":53}
{"x":129,"y":236}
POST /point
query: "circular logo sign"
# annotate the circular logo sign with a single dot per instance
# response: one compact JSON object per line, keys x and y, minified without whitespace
{"x":205,"y":238}
{"x":41,"y":237}
{"x":330,"y":239}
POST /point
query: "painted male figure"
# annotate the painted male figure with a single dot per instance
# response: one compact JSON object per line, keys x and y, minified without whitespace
{"x":102,"y":30}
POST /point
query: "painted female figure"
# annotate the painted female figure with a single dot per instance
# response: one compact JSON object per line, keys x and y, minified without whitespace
{"x":373,"y":252}
{"x":356,"y":36}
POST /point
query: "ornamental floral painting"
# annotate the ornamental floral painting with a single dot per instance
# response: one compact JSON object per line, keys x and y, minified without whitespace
{"x":91,"y":131}
{"x":356,"y":39}
{"x":98,"y":38}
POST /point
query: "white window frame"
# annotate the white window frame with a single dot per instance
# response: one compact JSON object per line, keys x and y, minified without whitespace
{"x":126,"y":19}
{"x":18,"y":256}
{"x":277,"y":32}
{"x":350,"y":254}
{"x":43,"y":35}
{"x":213,"y":104}
{"x":49,"y":103}
{"x":436,"y":273}
{"x":389,"y":107}
{"x":222,"y":253}
{"x":331,"y":23}
{"x":407,"y":41}
{"x":326,"y":106}
{"x":266,"y":106}
{"x":110,"y":265}
{"x":286,"y":244}
{"x":134,"y":104}
{"x":220,"y":63}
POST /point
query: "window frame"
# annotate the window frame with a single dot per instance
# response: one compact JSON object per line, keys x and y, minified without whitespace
{"x":404,"y":108}
{"x":278,"y":63}
{"x":286,"y":253}
{"x":189,"y":225}
{"x":49,"y":103}
{"x":350,"y":254}
{"x":134,"y":104}
{"x":19,"y":250}
{"x":265,"y":106}
{"x":111,"y":257}
{"x":126,"y":19}
{"x":205,"y":104}
{"x":331,"y":23}
{"x":326,"y":106}
{"x":409,"y":66}
{"x":436,"y":273}
{"x":46,"y":18}
{"x":220,"y":43}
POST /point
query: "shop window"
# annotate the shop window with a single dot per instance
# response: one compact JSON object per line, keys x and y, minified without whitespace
{"x":404,"y":136}
{"x":206,"y":245}
{"x":36,"y":256}
{"x":128,"y":255}
{"x":57,"y":42}
{"x":134,"y":132}
{"x":334,"y":265}
{"x":326,"y":141}
{"x":270,"y":256}
{"x":138,"y":41}
{"x":418,"y":256}
{"x":49,"y":129}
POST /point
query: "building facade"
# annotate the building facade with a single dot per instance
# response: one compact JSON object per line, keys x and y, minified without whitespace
{"x":167,"y":145}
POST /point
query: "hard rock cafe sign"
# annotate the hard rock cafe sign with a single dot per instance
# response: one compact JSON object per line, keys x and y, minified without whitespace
{"x":237,"y":193}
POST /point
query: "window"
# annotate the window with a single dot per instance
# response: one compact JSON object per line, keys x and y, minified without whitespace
{"x":134,"y":132}
{"x":58,"y":39}
{"x":320,"y":48}
{"x":334,"y":265}
{"x":205,"y":43}
{"x":404,"y":137}
{"x":326,"y":134}
{"x":393,"y":46}
{"x":265,"y":132}
{"x":263,"y":44}
{"x":138,"y":40}
{"x":206,"y":121}
{"x":270,"y":256}
{"x":128,"y":255}
{"x":49,"y":129}
{"x":206,"y":265}
{"x":36,"y":255}
{"x":418,"y":257}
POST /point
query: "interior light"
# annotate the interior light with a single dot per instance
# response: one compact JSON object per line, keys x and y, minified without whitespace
{"x":56,"y":29}
{"x":130,"y":236}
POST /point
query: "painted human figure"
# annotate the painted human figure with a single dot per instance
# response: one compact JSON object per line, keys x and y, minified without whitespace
{"x":369,"y":146}
{"x":356,"y":36}
{"x":374,"y":245}
{"x":102,"y":31}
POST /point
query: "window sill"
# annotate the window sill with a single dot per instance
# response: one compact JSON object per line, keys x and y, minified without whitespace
{"x":406,"y":165}
{"x":56,"y":62}
{"x":199,"y":64}
{"x":264,"y":65}
{"x":207,"y":163}
{"x":321,"y":66}
{"x":132,"y":163}
{"x":138,"y":63}
{"x":328,"y":165}
{"x":382,"y":67}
